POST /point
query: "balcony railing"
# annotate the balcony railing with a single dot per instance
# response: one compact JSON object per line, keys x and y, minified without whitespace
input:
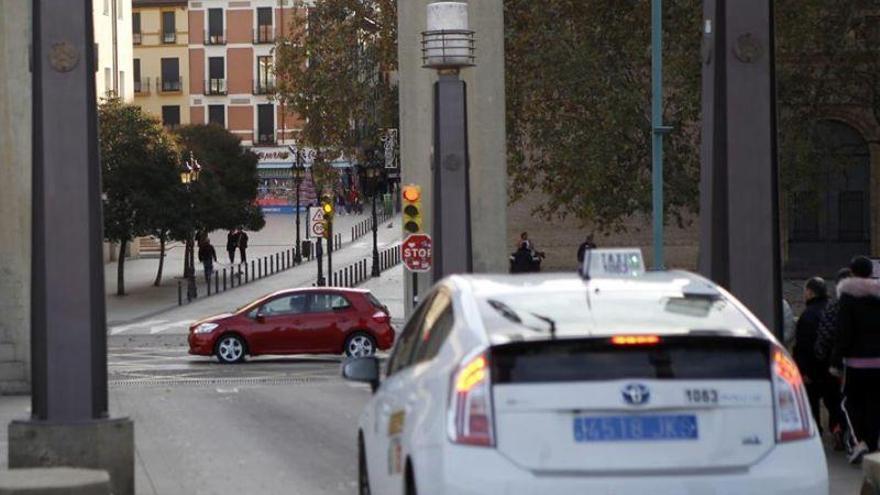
{"x":264,"y":137}
{"x":142,"y":87}
{"x":137,"y":38}
{"x":264,"y":35}
{"x":169,"y":38}
{"x":215,"y":38}
{"x":264,"y":88}
{"x":215,"y":86}
{"x":169,"y":85}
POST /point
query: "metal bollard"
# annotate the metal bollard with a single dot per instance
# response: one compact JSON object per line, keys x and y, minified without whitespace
{"x":252,"y":269}
{"x":179,"y":293}
{"x":239,"y":275}
{"x":224,"y":279}
{"x":216,"y":282}
{"x":246,"y":274}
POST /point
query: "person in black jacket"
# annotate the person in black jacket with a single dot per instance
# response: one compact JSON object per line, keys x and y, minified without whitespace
{"x":242,"y":245}
{"x":827,"y":331}
{"x":207,"y":255}
{"x":820,"y":384}
{"x":232,"y":244}
{"x":857,"y":353}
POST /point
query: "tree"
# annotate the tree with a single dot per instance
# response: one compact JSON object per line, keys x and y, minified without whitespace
{"x":332,"y":69}
{"x":225,"y":195}
{"x":578,"y":106}
{"x":138,"y":160}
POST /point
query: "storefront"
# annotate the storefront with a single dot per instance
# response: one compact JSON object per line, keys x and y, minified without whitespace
{"x":276,"y":192}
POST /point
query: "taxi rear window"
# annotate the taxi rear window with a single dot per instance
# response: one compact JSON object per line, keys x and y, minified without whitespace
{"x":678,"y":358}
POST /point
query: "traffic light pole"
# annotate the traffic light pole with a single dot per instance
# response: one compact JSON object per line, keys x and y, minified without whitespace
{"x":319,"y":255}
{"x":452,"y":220}
{"x":69,"y":423}
{"x":330,"y":252}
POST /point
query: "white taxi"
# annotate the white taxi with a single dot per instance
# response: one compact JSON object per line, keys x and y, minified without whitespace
{"x":656,"y":382}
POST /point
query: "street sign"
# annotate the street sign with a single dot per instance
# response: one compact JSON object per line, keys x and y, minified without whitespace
{"x":418,"y":253}
{"x":316,"y":221}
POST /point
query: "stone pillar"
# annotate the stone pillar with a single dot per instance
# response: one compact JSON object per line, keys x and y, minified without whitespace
{"x":15,"y":196}
{"x":486,"y":127}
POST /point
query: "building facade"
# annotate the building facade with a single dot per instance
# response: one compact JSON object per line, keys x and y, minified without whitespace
{"x":160,"y":33}
{"x":113,"y":40}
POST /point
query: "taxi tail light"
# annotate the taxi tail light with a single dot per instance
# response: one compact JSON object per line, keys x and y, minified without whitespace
{"x":470,"y":414}
{"x":793,"y":420}
{"x":381,"y":317}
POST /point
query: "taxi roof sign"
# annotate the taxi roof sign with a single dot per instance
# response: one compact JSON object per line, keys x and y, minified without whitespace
{"x":613,"y":263}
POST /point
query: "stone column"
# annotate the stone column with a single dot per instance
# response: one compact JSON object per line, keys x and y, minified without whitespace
{"x":15,"y":196}
{"x":486,"y":127}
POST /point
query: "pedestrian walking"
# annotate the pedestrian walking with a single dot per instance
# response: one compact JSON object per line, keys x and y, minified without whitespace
{"x":857,"y":353}
{"x":207,"y":255}
{"x":584,"y":247}
{"x":827,"y":331}
{"x":821,"y":386}
{"x":242,"y":245}
{"x":232,"y":244}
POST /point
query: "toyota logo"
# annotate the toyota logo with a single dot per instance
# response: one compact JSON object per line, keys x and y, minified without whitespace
{"x":636,"y":394}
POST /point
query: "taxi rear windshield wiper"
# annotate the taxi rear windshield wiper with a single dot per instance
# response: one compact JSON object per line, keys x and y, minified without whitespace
{"x":511,"y":314}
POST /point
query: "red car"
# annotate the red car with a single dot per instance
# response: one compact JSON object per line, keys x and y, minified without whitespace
{"x":297,"y":321}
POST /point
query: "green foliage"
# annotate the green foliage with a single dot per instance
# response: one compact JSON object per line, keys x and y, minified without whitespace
{"x":224,"y":196}
{"x":578,"y":106}
{"x":331,"y":69}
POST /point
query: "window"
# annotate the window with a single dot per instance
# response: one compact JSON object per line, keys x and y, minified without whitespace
{"x":285,"y":305}
{"x":264,"y":25}
{"x":136,"y":71}
{"x":136,"y":28}
{"x":266,"y":123}
{"x":265,"y":76}
{"x":216,"y":76}
{"x":169,"y":31}
{"x":851,"y":216}
{"x":805,"y":216}
{"x":324,"y":303}
{"x":215,"y":27}
{"x":170,"y":115}
{"x":170,"y":74}
{"x":402,"y":353}
{"x":217,"y":115}
{"x":438,"y":323}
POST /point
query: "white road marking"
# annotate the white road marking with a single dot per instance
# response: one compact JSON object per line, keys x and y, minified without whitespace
{"x":161,"y":328}
{"x":124,"y":328}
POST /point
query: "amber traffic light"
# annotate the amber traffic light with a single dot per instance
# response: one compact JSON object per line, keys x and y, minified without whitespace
{"x":412,"y":209}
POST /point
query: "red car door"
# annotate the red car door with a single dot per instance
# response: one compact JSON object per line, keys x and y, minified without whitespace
{"x":329,"y":319}
{"x":276,"y":324}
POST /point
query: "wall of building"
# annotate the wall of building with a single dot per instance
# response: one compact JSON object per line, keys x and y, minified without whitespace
{"x":151,"y":51}
{"x":120,"y":81}
{"x":15,"y":196}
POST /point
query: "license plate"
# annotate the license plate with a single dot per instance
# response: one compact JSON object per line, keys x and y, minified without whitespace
{"x":635,"y":428}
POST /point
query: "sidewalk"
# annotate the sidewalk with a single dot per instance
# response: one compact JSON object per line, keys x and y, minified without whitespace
{"x":176,"y":319}
{"x":144,"y":300}
{"x":389,"y":289}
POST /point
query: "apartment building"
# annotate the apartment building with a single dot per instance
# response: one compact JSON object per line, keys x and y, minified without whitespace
{"x":113,"y":40}
{"x":160,"y":33}
{"x":231,"y":79}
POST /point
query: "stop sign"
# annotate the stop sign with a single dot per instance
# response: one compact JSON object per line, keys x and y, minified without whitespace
{"x":417,"y":253}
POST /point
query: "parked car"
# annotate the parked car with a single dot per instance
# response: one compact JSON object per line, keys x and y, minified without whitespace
{"x":297,"y":321}
{"x":634,"y":383}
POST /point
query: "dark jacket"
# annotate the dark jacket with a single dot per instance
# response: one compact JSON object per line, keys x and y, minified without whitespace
{"x":582,"y":250}
{"x":827,"y":332}
{"x":858,"y":320}
{"x":207,"y":254}
{"x":805,"y":339}
{"x":232,"y":241}
{"x":242,"y":240}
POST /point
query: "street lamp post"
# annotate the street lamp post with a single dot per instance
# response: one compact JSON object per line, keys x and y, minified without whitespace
{"x":372,"y":173}
{"x":298,"y":172}
{"x":188,"y":176}
{"x":448,"y":46}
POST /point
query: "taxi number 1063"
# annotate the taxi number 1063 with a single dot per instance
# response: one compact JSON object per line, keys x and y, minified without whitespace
{"x":701,"y":395}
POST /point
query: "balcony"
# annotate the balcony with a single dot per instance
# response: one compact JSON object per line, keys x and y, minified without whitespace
{"x":215,"y":86}
{"x":264,"y":137}
{"x":264,"y":35}
{"x":215,"y":38}
{"x":169,"y":38}
{"x":264,"y":88}
{"x":142,"y":87}
{"x":137,"y":38}
{"x":169,"y":85}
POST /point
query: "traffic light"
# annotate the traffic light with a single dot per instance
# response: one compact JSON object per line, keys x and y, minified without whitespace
{"x":412,"y":209}
{"x":328,"y":208}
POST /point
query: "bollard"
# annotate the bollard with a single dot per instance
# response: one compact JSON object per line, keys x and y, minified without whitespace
{"x":259,"y":269}
{"x":216,"y":282}
{"x":179,"y":293}
{"x":246,"y":274}
{"x":239,"y":275}
{"x":224,"y":279}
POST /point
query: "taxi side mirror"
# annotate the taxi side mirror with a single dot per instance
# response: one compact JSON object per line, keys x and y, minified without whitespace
{"x":364,"y":370}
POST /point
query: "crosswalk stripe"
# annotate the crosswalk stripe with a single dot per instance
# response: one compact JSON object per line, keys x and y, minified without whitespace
{"x":124,"y":328}
{"x":161,"y":328}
